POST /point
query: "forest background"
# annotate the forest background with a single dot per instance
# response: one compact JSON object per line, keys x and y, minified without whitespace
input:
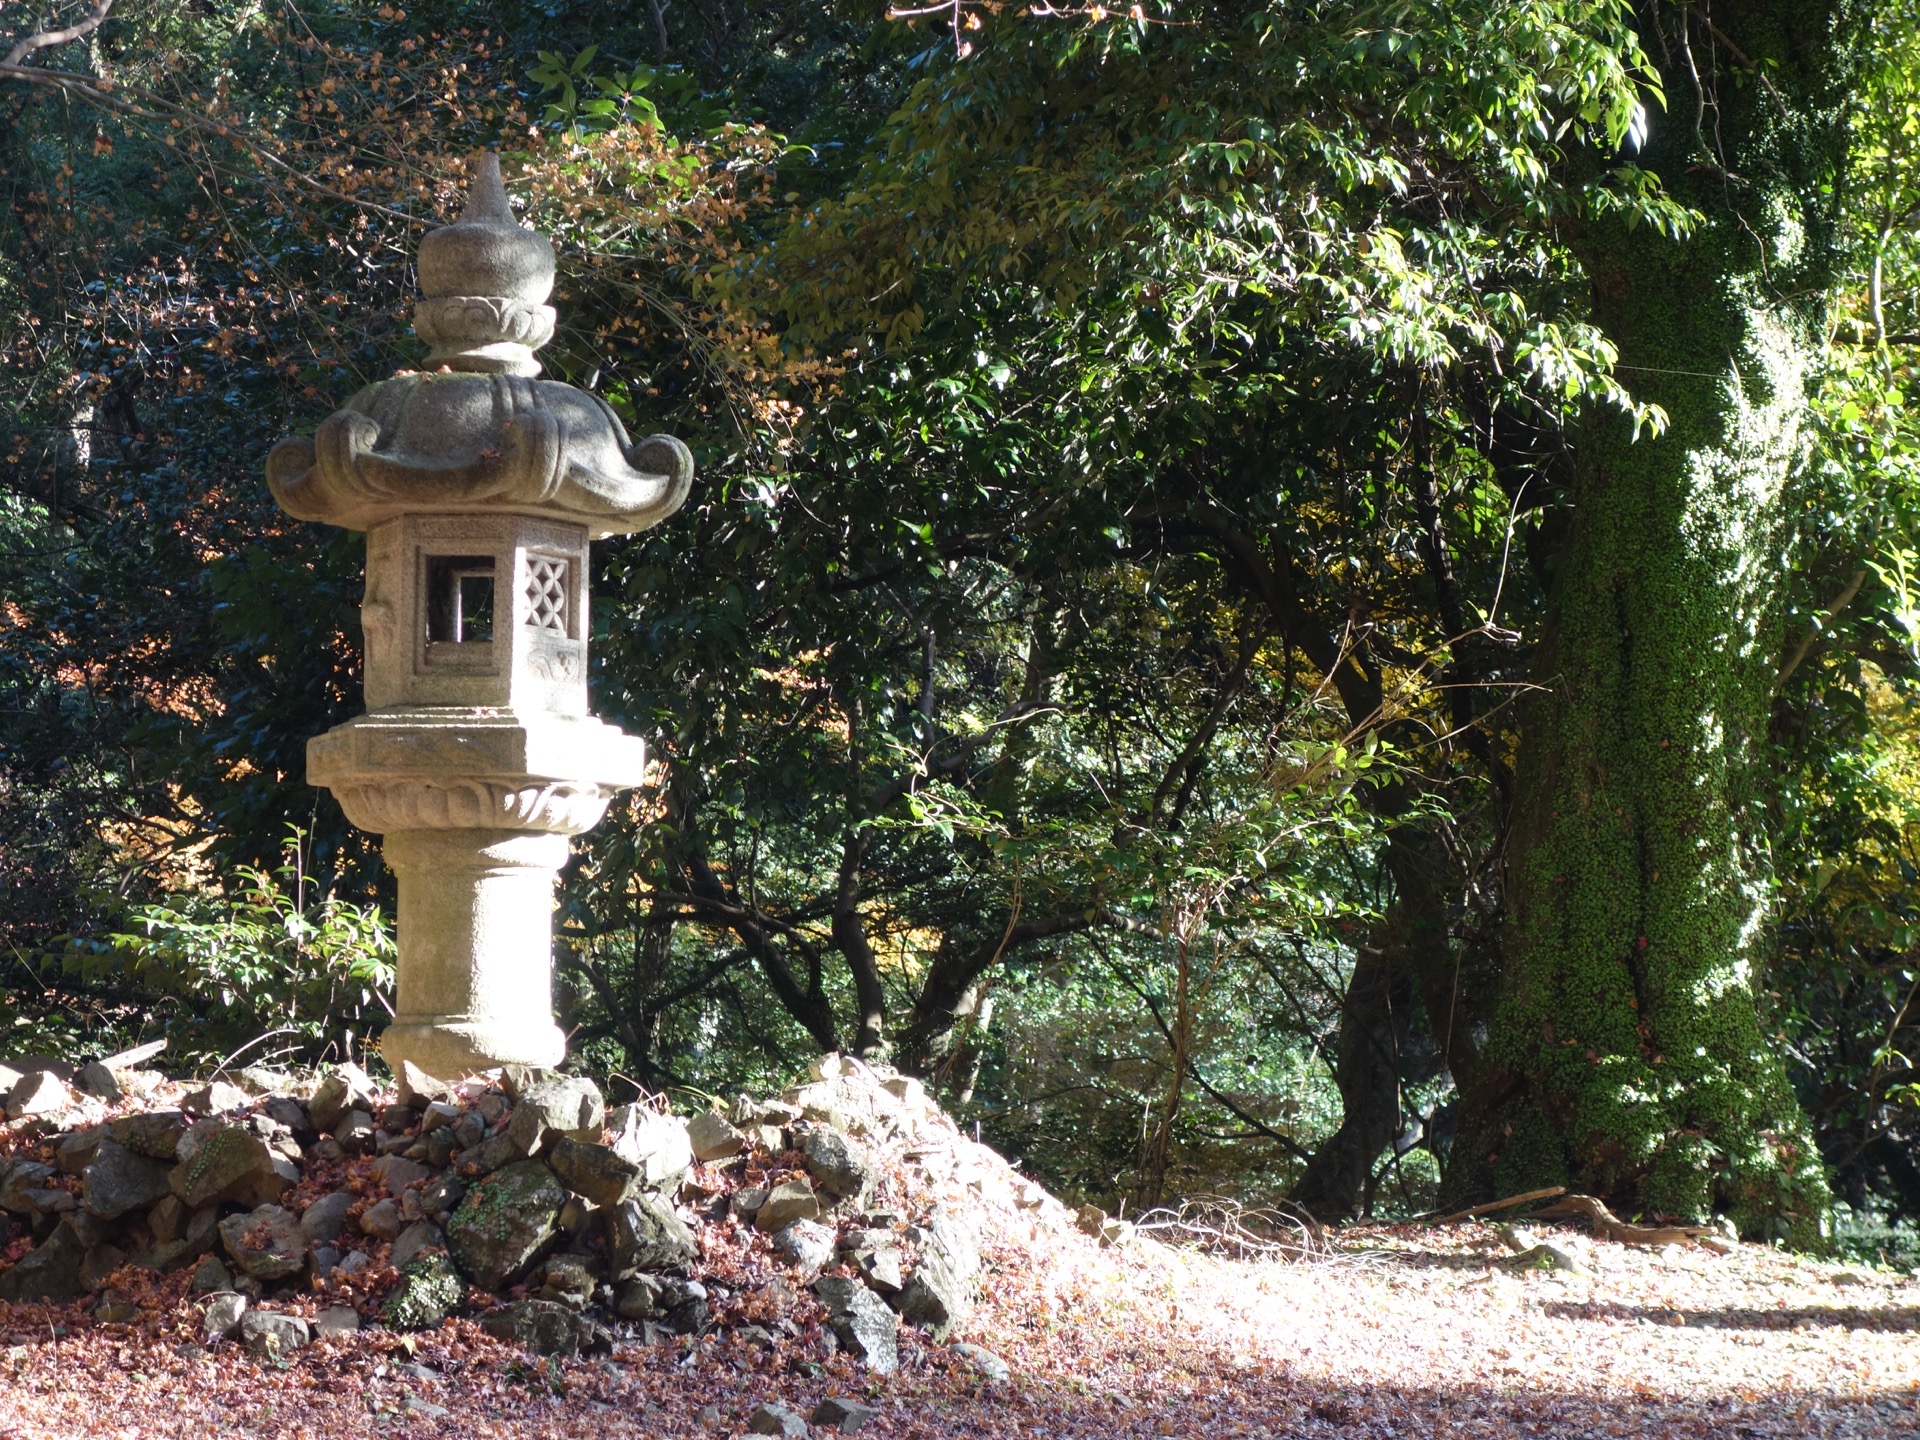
{"x":1306,"y":600}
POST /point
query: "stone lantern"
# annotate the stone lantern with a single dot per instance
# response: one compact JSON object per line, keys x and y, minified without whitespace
{"x":479,"y":486}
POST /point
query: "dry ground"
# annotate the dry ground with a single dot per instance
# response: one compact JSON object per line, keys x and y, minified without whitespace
{"x":1411,"y":1332}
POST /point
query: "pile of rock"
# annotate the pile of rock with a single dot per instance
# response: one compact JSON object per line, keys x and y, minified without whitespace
{"x":517,"y":1196}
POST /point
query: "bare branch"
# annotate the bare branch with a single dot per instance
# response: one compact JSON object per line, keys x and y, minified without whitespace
{"x":49,"y":39}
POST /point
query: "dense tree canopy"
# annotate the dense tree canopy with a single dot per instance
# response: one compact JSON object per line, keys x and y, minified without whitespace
{"x":1306,"y":599}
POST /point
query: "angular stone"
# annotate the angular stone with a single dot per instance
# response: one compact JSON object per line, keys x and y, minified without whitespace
{"x":546,"y":1328}
{"x":568,"y":1105}
{"x":50,"y":1272}
{"x":488,"y":1156}
{"x":152,"y":1133}
{"x":265,"y":1243}
{"x":212,"y":1276}
{"x":269,"y":1334}
{"x":713,"y":1138}
{"x":355,"y":1131}
{"x":656,"y":1143}
{"x":838,"y":1166}
{"x":787,"y":1202}
{"x":163,"y":1255}
{"x":638,"y":1298}
{"x":97,"y":1080}
{"x":807,"y":1243}
{"x":748,"y":1199}
{"x":397,"y":1172}
{"x":429,"y":1291}
{"x":568,"y":1282}
{"x":202,"y":1232}
{"x":167,"y":1220}
{"x":221,"y":1314}
{"x":119,"y":1181}
{"x":18,"y":1180}
{"x":232,"y":1163}
{"x":75,"y":1152}
{"x":326,"y":1218}
{"x":216,"y":1098}
{"x":846,"y":1416}
{"x":861,"y":1322}
{"x":505,"y":1222}
{"x":347,"y":1088}
{"x":414,"y":1241}
{"x":880,"y":1267}
{"x":40,"y":1092}
{"x":983,"y":1360}
{"x":771,"y":1419}
{"x":287,"y":1111}
{"x":439,"y":1200}
{"x":339,"y":1320}
{"x":381,"y":1220}
{"x":939,"y":1294}
{"x":595,"y":1171}
{"x":644,"y":1233}
{"x":417,"y":1087}
{"x":437,"y":1114}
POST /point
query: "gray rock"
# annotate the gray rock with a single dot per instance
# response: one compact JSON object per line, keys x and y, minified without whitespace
{"x":940,"y":1293}
{"x":19,"y":1179}
{"x":221,"y":1314}
{"x":880,"y":1267}
{"x":355,"y":1130}
{"x":861,"y":1322}
{"x":983,"y":1360}
{"x":50,"y":1272}
{"x":152,"y":1133}
{"x":846,"y":1416}
{"x":594,"y":1171}
{"x":418,"y":1088}
{"x":488,"y":1156}
{"x":429,"y":1290}
{"x":72,"y":1154}
{"x":287,"y":1111}
{"x":568,"y":1282}
{"x":212,"y":1276}
{"x":567,"y":1105}
{"x":787,"y":1202}
{"x":748,"y":1199}
{"x":416,"y":1240}
{"x":164,"y":1256}
{"x":96,"y":1081}
{"x":638,"y":1298}
{"x":339,"y":1320}
{"x":546,"y":1328}
{"x":771,"y":1419}
{"x":345,"y":1089}
{"x":381,"y":1220}
{"x":644,"y":1233}
{"x":216,"y":1098}
{"x":325,"y":1260}
{"x":269,"y":1335}
{"x":437,"y":1114}
{"x":439,"y":1200}
{"x":326,"y":1218}
{"x":265,"y":1242}
{"x":655,"y":1142}
{"x":712,"y":1137}
{"x":40,"y":1092}
{"x":167,"y":1220}
{"x":230,"y":1162}
{"x":120,"y":1181}
{"x":397,"y":1172}
{"x":839,"y":1167}
{"x":202,"y":1232}
{"x":807,"y":1243}
{"x":505,"y":1222}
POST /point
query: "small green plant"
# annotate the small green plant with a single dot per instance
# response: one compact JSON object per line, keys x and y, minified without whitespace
{"x":268,"y":954}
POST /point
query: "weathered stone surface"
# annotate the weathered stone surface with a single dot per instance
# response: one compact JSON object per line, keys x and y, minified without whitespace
{"x":771,"y":1419}
{"x":49,"y":1272}
{"x":567,"y":1281}
{"x":216,"y":1098}
{"x":40,"y":1092}
{"x":167,"y":1220}
{"x":638,"y":1298}
{"x":347,"y":1088}
{"x":880,"y":1267}
{"x":326,"y":1218}
{"x":220,"y":1316}
{"x":97,"y":1080}
{"x":202,"y":1230}
{"x":595,"y":1171}
{"x":119,"y":1181}
{"x":437,"y":1114}
{"x":807,"y":1243}
{"x":983,"y":1360}
{"x":287,"y":1111}
{"x":488,"y":1156}
{"x":839,"y":1167}
{"x":232,"y":1163}
{"x":397,"y":1172}
{"x":655,"y":1142}
{"x":270,"y":1334}
{"x":212,"y":1276}
{"x":644,"y":1233}
{"x":940,"y":1293}
{"x":568,"y":1105}
{"x":546,"y":1328}
{"x":339,"y":1320}
{"x":712,"y":1137}
{"x":505,"y":1222}
{"x":19,"y":1179}
{"x":355,"y":1131}
{"x":163,"y":1255}
{"x":414,"y":1241}
{"x":846,"y":1416}
{"x":381,"y":1220}
{"x":787,"y":1202}
{"x":265,"y":1242}
{"x":429,"y":1291}
{"x":152,"y":1133}
{"x":73,"y":1153}
{"x":439,"y":1200}
{"x":417,"y":1087}
{"x":861,"y":1322}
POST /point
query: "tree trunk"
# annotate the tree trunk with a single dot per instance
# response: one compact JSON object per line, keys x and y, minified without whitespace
{"x":1628,"y":1057}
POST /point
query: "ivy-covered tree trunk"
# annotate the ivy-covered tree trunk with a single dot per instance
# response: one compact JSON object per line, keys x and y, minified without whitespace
{"x":1629,"y":1057}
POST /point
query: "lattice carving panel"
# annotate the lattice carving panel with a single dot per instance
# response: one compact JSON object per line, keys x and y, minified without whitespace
{"x":547,"y":594}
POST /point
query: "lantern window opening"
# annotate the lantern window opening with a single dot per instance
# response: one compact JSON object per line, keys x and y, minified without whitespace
{"x":549,"y":602}
{"x":460,"y":599}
